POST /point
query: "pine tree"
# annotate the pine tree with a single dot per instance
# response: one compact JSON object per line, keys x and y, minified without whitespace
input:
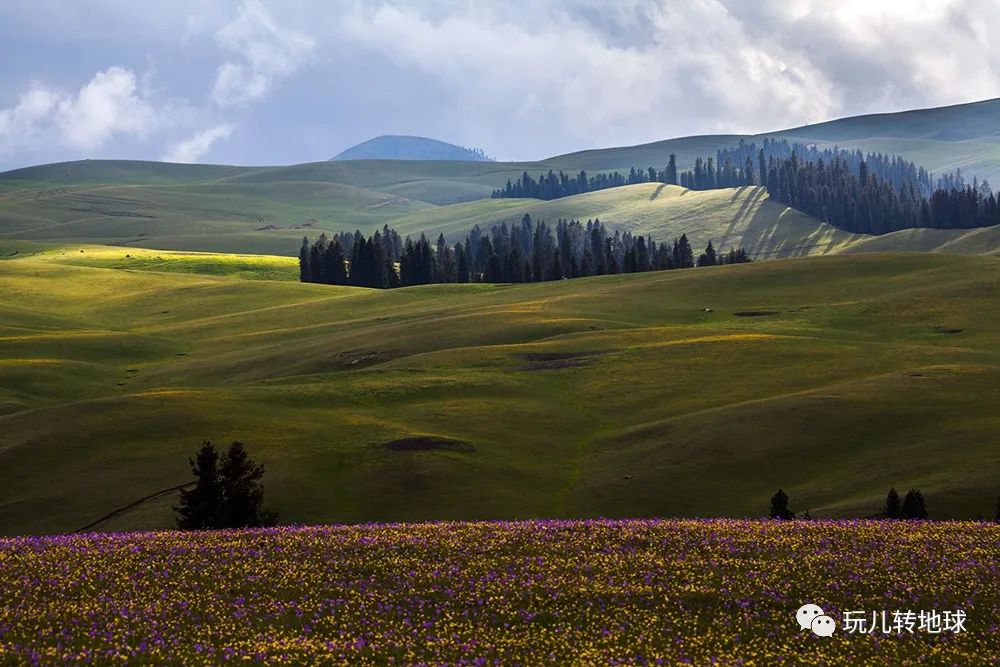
{"x":761,"y":168}
{"x":672,"y":170}
{"x":683,"y":255}
{"x":748,"y":176}
{"x":316,"y":255}
{"x":709,"y":257}
{"x":779,"y":506}
{"x":913,"y":505}
{"x":494,"y":270}
{"x":555,"y":270}
{"x":462,"y":263}
{"x":243,"y":494}
{"x":201,"y":507}
{"x":334,"y":270}
{"x":893,"y":509}
{"x":304,"y":273}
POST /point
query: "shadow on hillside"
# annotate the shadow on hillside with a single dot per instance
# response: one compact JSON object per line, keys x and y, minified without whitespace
{"x":741,"y":215}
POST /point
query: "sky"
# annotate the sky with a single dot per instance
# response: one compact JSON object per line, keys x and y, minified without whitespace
{"x":290,"y":81}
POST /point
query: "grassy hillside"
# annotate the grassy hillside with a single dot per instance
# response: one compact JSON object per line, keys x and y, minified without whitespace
{"x":730,"y":218}
{"x":965,"y":136}
{"x":270,"y":217}
{"x":983,"y":241}
{"x":267,"y":209}
{"x":832,"y":377}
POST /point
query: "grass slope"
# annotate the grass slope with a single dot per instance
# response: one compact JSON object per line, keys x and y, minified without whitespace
{"x":732,"y":217}
{"x":613,"y":396}
{"x":982,"y":241}
{"x":268,"y":218}
{"x":964,"y":136}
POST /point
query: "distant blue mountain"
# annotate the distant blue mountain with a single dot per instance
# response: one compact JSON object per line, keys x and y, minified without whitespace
{"x":402,"y":147}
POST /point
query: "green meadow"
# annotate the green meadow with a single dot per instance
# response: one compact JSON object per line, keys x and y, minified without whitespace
{"x":679,"y":393}
{"x":267,"y":210}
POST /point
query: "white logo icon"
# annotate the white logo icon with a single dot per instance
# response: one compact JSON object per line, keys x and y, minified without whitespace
{"x":811,"y":617}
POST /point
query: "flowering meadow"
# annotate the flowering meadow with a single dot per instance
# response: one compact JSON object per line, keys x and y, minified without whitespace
{"x":528,"y":593}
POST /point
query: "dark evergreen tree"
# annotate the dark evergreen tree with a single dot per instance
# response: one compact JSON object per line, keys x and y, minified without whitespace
{"x":494,"y":270}
{"x":462,"y":263}
{"x":671,"y":176}
{"x":709,"y":257}
{"x":555,"y":270}
{"x":749,"y":178}
{"x":893,"y":508}
{"x":683,"y":254}
{"x":316,"y":260}
{"x":201,"y":507}
{"x":305,"y":275}
{"x":913,"y":505}
{"x":779,"y":506}
{"x":761,"y":168}
{"x":242,"y":491}
{"x":334,"y":269}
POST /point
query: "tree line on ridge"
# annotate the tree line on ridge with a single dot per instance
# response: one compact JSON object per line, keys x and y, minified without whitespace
{"x":529,"y":251}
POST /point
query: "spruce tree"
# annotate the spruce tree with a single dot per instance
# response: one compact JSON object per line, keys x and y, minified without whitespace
{"x":672,"y":170}
{"x":709,"y":257}
{"x":893,"y":509}
{"x":334,"y":270}
{"x":913,"y":505}
{"x":462,"y":263}
{"x":201,"y":507}
{"x":779,"y":506}
{"x":227,"y":492}
{"x":494,"y":270}
{"x":304,"y":274}
{"x":555,"y":270}
{"x":242,"y":491}
{"x":683,"y":255}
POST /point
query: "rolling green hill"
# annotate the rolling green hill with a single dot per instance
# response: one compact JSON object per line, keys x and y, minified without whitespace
{"x":239,"y":214}
{"x":676,"y":393}
{"x":268,"y":209}
{"x":730,"y":218}
{"x":963,"y":136}
{"x":272,"y":217}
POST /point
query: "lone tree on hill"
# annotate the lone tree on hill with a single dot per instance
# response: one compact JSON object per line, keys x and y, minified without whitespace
{"x":200,"y":505}
{"x":227,"y":492}
{"x":893,"y":510}
{"x":779,"y":506}
{"x":913,"y":505}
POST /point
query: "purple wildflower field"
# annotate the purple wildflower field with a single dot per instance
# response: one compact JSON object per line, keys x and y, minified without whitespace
{"x":490,"y":593}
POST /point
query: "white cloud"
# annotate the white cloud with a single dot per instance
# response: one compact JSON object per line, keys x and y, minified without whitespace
{"x":193,"y":148}
{"x":268,"y":53}
{"x":574,"y":73}
{"x":557,"y":71}
{"x":109,"y":104}
{"x":20,"y":124}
